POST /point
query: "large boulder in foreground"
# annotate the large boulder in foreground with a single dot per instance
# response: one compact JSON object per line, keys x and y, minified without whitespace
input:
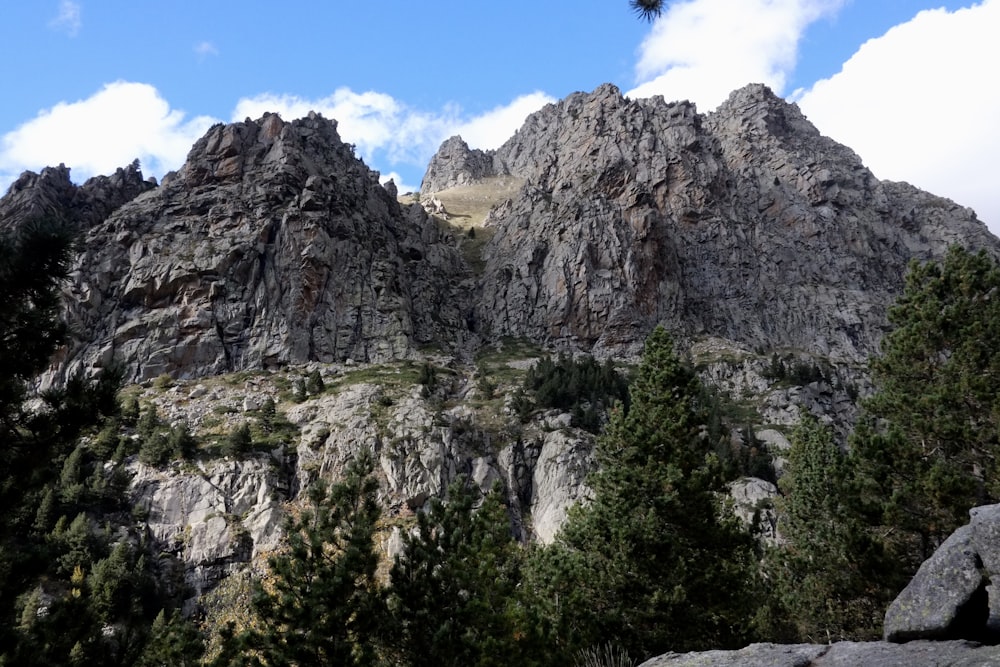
{"x":952,"y":595}
{"x":842,"y":654}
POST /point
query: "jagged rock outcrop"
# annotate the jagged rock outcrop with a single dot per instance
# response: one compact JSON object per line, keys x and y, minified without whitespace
{"x":51,"y":194}
{"x":214,"y":516}
{"x":420,"y":451}
{"x":954,"y":593}
{"x":743,"y":231}
{"x":841,"y":654}
{"x":744,"y":224}
{"x":275,"y":245}
{"x":272,"y":245}
{"x":456,"y":164}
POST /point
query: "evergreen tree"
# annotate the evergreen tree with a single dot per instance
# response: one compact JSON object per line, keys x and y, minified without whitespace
{"x":926,"y":450}
{"x":583,"y":387}
{"x":156,"y":449}
{"x":829,"y":576}
{"x":174,"y":642}
{"x":239,"y":441}
{"x":647,"y":9}
{"x":321,"y":604}
{"x":314,"y":383}
{"x":299,"y":391}
{"x":64,"y":599}
{"x":453,"y":588}
{"x":181,"y":443}
{"x":653,"y":562}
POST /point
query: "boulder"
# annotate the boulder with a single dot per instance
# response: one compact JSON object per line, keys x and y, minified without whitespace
{"x":842,"y":654}
{"x":953,"y":594}
{"x":932,"y":603}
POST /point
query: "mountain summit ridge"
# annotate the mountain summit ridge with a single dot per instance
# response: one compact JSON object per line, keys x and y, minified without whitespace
{"x":745,"y":224}
{"x":274,"y":244}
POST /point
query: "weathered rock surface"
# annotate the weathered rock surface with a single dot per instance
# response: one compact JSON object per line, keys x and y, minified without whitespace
{"x":841,"y":654}
{"x":743,"y":231}
{"x":744,"y":224}
{"x":421,"y":450}
{"x":954,"y":593}
{"x":559,"y":480}
{"x":272,"y":245}
{"x":753,"y":505}
{"x":456,"y":164}
{"x":215,"y":516}
{"x":51,"y":194}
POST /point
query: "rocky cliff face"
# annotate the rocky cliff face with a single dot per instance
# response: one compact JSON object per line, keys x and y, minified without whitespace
{"x":743,"y":231}
{"x":745,"y":224}
{"x":272,"y":245}
{"x":51,"y":194}
{"x":275,"y":245}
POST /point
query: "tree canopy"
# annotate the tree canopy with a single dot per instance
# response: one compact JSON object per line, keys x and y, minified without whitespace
{"x":654,"y":562}
{"x":925,"y":451}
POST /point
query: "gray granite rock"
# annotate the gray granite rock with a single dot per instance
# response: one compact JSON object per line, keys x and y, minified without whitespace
{"x":929,"y":605}
{"x":744,"y":224}
{"x":842,"y":654}
{"x":954,"y":593}
{"x":272,"y":245}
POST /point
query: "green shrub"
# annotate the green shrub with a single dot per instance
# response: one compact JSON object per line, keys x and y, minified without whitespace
{"x":583,"y":387}
{"x":314,"y":383}
{"x":239,"y":441}
{"x":163,"y":382}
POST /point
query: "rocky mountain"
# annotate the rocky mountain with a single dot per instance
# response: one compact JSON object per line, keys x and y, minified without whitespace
{"x":744,"y":224}
{"x":52,"y":194}
{"x":272,"y":245}
{"x":274,"y":252}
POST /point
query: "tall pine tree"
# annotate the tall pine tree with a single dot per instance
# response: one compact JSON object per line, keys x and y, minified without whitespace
{"x":454,"y":586}
{"x":829,"y":577}
{"x":654,"y":562}
{"x":54,"y":599}
{"x":320,"y":603}
{"x":926,"y":450}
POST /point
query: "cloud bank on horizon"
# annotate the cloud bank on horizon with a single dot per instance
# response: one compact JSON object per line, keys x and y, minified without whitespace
{"x":914,"y":102}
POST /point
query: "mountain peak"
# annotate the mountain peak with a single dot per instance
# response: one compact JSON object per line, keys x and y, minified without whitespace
{"x":227,"y":152}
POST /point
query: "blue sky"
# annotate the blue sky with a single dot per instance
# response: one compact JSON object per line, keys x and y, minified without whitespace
{"x":908,"y":84}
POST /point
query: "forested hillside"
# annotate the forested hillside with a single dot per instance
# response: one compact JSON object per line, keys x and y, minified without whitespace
{"x":654,"y":560}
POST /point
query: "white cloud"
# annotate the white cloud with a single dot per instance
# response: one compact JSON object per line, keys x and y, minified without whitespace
{"x":372,"y":121}
{"x":386,"y":130}
{"x":701,"y":50}
{"x":205,"y":49}
{"x":917,"y":105}
{"x":126,"y":120}
{"x":496,"y":126}
{"x":69,"y":18}
{"x":119,"y":123}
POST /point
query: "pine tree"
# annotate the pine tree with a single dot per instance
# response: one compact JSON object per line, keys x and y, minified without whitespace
{"x":453,"y":588}
{"x":926,"y":450}
{"x":314,"y":383}
{"x":830,"y":577}
{"x":238,"y":442}
{"x":652,"y":562}
{"x":181,"y":443}
{"x":45,"y":471}
{"x":321,"y":604}
{"x":647,"y":9}
{"x":174,"y":642}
